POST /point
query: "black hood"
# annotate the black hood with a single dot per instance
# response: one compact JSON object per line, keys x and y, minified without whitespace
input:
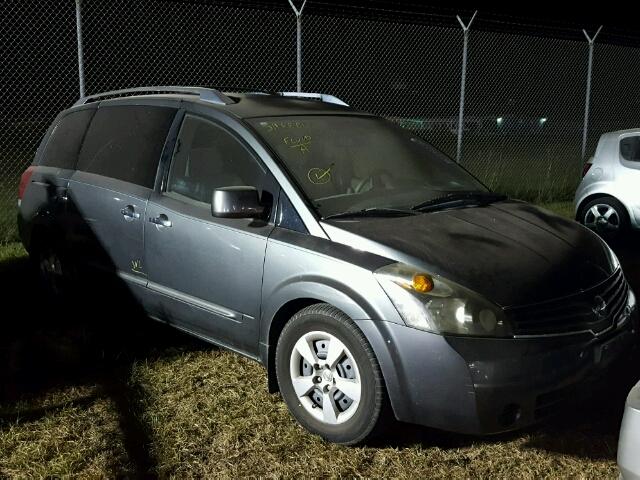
{"x":510,"y":252}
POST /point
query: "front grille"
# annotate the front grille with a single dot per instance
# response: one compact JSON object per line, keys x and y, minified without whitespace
{"x":574,"y":313}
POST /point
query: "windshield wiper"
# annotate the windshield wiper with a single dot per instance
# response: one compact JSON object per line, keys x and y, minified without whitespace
{"x":457,"y":200}
{"x":371,"y":212}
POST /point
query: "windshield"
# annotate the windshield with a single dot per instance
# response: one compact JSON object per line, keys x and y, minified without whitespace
{"x":350,"y":163}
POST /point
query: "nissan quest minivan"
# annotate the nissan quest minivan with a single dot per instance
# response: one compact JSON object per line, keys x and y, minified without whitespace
{"x":370,"y":274}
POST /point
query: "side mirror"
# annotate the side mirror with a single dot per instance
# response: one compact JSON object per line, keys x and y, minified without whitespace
{"x":236,"y":202}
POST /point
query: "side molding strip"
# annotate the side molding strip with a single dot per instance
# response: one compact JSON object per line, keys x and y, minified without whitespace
{"x":198,"y":302}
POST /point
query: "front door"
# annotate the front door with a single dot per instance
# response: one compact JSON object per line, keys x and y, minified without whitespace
{"x":206,"y":271}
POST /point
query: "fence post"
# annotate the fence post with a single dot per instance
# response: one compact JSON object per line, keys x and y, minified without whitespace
{"x":298,"y":42}
{"x":588,"y":96}
{"x":463,"y":81}
{"x":80,"y":53}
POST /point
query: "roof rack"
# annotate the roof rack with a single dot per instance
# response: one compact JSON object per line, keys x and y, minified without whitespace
{"x":206,"y":94}
{"x":323,"y":97}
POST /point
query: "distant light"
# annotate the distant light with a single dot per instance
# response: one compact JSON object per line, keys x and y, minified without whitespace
{"x":543,"y":120}
{"x":499,"y":120}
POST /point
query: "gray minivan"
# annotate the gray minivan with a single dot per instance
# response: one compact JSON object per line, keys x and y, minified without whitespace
{"x":369,"y":273}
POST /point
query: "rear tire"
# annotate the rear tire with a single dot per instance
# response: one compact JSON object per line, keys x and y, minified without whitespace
{"x":53,"y":268}
{"x":339,"y":391}
{"x":606,"y":216}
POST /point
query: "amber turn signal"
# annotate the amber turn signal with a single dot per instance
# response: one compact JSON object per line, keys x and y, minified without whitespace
{"x":422,"y":283}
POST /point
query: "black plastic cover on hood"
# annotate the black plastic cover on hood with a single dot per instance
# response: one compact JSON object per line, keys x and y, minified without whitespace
{"x":510,"y":252}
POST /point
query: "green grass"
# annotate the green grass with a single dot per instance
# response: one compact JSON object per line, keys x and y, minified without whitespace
{"x":11,"y":252}
{"x":128,"y":396}
{"x":8,"y":210}
{"x":65,"y":431}
{"x":564,"y":209}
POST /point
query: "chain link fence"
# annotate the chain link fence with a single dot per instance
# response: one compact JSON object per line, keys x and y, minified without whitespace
{"x":522,"y":124}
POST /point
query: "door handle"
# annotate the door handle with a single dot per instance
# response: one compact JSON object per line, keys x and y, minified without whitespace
{"x":129,"y":212}
{"x":162,"y":220}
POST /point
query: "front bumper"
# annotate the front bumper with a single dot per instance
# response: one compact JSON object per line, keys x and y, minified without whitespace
{"x":629,"y":444}
{"x":485,"y":386}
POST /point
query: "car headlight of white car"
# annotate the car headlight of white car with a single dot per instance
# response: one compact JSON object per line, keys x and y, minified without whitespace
{"x":434,"y":304}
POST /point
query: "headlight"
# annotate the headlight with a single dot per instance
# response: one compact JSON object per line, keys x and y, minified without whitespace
{"x":433,"y":304}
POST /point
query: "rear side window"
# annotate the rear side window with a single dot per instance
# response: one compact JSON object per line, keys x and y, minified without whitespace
{"x":64,"y":143}
{"x":630,"y":148}
{"x":125,"y":142}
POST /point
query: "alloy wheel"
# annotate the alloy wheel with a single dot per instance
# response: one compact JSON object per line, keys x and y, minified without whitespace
{"x":602,"y":218}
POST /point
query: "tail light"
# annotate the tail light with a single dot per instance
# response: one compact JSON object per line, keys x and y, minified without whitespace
{"x":24,"y":181}
{"x":586,"y":168}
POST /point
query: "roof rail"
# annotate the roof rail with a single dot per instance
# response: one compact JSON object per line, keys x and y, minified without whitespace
{"x":323,"y":97}
{"x":206,"y":94}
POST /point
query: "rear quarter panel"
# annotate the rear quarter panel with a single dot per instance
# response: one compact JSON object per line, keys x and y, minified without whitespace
{"x":43,"y":203}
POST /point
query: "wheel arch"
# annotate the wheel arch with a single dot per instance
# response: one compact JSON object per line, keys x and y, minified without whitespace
{"x":595,"y":196}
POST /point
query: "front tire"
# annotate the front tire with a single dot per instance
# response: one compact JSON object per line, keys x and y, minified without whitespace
{"x":329,"y":376}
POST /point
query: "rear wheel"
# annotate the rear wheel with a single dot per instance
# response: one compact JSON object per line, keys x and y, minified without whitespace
{"x":606,"y":216}
{"x":329,"y":377}
{"x":53,"y":268}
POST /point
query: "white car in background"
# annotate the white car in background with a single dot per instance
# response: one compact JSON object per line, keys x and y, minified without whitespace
{"x":608,"y":198}
{"x":629,"y":444}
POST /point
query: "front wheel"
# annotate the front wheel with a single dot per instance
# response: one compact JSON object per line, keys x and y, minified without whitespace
{"x":329,"y":376}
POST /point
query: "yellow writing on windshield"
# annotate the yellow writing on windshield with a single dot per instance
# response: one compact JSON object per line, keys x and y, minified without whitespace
{"x":319,"y":176}
{"x":283,"y":125}
{"x":302,"y":144}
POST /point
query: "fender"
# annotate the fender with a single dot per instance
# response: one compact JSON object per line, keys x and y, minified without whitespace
{"x":321,"y":290}
{"x":299,"y":272}
{"x":283,"y":286}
